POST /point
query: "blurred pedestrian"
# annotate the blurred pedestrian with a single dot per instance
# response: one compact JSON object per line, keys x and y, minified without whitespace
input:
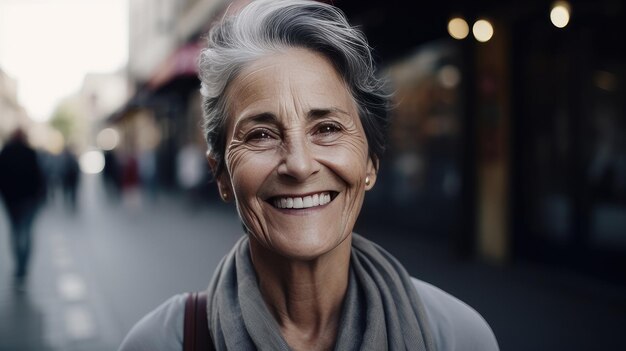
{"x":22,"y":187}
{"x":131,"y":181}
{"x":51,"y":169}
{"x":70,"y":179}
{"x":191,"y":171}
{"x":112,"y":175}
{"x":148,"y":175}
{"x":295,"y":121}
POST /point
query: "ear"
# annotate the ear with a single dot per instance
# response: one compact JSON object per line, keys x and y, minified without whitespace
{"x":223,"y":180}
{"x":371,"y":171}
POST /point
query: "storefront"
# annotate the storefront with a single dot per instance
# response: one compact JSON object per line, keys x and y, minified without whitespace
{"x":525,"y":157}
{"x":570,"y":141}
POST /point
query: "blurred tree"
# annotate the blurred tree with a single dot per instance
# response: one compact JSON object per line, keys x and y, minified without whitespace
{"x":64,"y":120}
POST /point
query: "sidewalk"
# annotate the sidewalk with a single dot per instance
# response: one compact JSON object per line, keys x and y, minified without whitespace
{"x":60,"y":308}
{"x":529,"y":306}
{"x":95,"y":274}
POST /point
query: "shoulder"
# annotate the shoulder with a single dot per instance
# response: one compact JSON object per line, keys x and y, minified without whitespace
{"x":454,"y":324}
{"x":159,"y":330}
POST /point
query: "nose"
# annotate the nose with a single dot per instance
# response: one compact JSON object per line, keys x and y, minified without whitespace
{"x":298,"y":160}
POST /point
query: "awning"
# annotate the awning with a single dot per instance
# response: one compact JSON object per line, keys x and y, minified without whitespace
{"x":139,"y":100}
{"x":182,"y":63}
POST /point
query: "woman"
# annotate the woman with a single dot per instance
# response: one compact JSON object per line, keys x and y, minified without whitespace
{"x":295,"y":120}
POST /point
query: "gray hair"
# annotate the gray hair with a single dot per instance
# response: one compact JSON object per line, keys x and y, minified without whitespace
{"x":269,"y":26}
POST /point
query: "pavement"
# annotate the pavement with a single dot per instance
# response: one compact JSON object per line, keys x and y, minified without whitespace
{"x":96,"y":272}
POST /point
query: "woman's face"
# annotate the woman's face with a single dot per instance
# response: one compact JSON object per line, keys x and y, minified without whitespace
{"x":296,"y":154}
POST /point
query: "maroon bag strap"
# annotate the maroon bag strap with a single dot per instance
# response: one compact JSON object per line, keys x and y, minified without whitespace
{"x":196,"y":334}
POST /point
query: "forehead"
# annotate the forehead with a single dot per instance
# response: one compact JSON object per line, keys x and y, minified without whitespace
{"x":295,"y":80}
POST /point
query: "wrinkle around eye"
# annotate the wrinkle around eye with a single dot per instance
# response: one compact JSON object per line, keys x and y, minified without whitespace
{"x":237,"y":146}
{"x":357,"y":148}
{"x":236,"y":152}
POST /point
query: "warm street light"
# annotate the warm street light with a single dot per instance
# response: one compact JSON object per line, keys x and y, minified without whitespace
{"x":482,"y":30}
{"x":458,"y":28}
{"x":560,"y":14}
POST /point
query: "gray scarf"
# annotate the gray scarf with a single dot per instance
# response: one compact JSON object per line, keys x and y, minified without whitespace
{"x":381,"y":309}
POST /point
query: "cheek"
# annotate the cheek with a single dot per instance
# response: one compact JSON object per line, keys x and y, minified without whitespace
{"x":348,"y":158}
{"x":248,"y":169}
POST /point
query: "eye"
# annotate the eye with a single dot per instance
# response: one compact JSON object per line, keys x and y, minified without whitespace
{"x":260,"y":135}
{"x":262,"y":138}
{"x":328,"y":129}
{"x":326,"y":132}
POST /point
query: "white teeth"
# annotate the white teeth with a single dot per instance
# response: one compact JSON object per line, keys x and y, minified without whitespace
{"x":307,"y":201}
{"x":303,"y":202}
{"x":324,"y":199}
{"x":297,"y":202}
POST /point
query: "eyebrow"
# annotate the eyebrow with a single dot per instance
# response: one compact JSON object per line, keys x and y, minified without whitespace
{"x":321,"y":112}
{"x":264,"y":117}
{"x":268,"y":117}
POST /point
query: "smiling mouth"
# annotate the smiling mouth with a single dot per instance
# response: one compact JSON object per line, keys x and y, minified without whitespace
{"x":303,"y":202}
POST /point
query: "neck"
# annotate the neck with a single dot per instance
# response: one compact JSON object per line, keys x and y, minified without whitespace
{"x":304,"y":296}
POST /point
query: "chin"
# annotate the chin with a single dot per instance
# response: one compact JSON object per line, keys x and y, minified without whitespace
{"x":305,"y":246}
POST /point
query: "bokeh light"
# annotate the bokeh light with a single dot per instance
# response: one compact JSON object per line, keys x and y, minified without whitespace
{"x":449,"y":76}
{"x":91,"y":162}
{"x":560,"y":14}
{"x":458,"y":28}
{"x":107,"y":139}
{"x":482,"y":30}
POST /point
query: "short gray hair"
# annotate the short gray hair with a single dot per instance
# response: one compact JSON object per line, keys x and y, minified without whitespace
{"x":269,"y":26}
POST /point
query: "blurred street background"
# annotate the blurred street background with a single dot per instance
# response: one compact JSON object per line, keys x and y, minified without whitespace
{"x":504,"y":182}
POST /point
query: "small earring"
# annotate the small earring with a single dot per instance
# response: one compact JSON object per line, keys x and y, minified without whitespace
{"x":367,"y":180}
{"x":225,"y":196}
